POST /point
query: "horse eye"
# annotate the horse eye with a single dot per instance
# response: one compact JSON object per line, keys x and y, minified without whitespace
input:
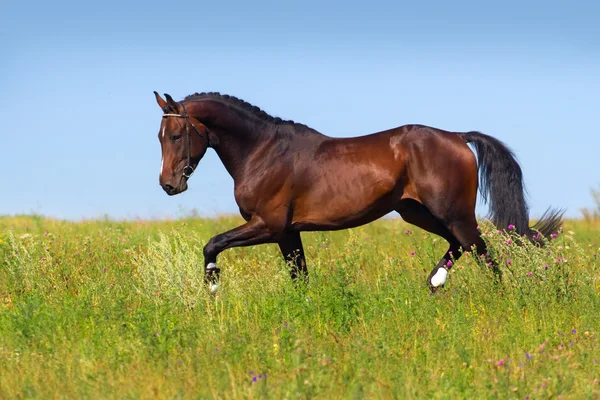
{"x":176,"y":137}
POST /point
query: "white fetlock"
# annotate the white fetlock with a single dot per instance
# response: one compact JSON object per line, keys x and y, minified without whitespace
{"x":214,"y":288}
{"x":211,"y":266}
{"x":440,"y":277}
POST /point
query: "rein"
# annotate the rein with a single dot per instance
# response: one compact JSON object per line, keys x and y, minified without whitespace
{"x":188,"y":170}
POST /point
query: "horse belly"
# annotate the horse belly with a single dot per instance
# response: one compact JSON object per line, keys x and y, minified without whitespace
{"x":339,"y":201}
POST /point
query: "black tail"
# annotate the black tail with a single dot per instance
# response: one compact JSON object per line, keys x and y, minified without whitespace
{"x":501,"y":182}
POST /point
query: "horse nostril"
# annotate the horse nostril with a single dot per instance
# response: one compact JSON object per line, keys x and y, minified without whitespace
{"x":169,"y":188}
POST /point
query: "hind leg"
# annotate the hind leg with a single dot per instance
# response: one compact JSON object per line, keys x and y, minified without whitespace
{"x":417,"y":214}
{"x":464,"y":228}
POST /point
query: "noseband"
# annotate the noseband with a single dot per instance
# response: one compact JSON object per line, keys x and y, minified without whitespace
{"x":188,"y":170}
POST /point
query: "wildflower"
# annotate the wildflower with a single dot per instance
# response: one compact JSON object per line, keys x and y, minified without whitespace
{"x":412,"y":253}
{"x":500,"y":362}
{"x":574,"y":331}
{"x":508,"y":262}
{"x":545,"y":266}
{"x":553,"y":235}
{"x":508,"y":241}
{"x":407,"y":232}
{"x":530,"y":273}
{"x":43,"y":258}
{"x":449,"y":264}
{"x":511,"y":227}
{"x":528,"y":356}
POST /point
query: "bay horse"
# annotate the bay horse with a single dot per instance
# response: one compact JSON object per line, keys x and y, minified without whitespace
{"x":289,"y":178}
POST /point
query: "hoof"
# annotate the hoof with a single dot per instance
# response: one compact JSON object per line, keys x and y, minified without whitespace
{"x":434,"y":289}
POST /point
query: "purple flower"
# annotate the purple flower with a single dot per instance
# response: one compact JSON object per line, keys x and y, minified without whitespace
{"x":412,"y":253}
{"x":508,"y":262}
{"x":508,"y":241}
{"x":43,"y":258}
{"x":407,"y":232}
{"x":529,"y":356}
{"x":500,"y":362}
{"x":254,"y":379}
{"x":511,"y":227}
{"x":545,"y":266}
{"x":530,"y":273}
{"x":574,"y":331}
{"x":251,"y":372}
{"x":553,"y":235}
{"x":449,"y":264}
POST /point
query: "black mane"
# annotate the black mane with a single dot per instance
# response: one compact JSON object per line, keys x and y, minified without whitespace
{"x":244,"y":105}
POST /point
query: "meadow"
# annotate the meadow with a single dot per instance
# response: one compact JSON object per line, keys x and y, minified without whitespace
{"x":109,"y":309}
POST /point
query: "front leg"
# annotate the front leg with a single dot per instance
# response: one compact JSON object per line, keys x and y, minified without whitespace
{"x":253,"y":232}
{"x":290,"y":245}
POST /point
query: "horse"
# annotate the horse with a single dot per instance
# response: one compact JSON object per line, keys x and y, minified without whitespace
{"x":289,"y":178}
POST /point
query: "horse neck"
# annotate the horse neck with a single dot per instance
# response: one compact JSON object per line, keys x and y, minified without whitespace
{"x":233,"y":135}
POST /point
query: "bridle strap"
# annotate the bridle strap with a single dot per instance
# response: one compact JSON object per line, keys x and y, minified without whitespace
{"x":188,"y":170}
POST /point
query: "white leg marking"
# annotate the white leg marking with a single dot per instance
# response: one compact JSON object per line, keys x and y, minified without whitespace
{"x":440,"y":277}
{"x":214,"y":288}
{"x":211,"y":266}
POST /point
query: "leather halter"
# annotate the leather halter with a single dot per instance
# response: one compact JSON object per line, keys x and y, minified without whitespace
{"x":188,"y":170}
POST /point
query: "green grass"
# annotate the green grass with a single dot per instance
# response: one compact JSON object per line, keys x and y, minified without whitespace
{"x":105,"y":309}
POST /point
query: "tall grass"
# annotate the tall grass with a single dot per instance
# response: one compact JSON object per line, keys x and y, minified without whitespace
{"x":105,"y":309}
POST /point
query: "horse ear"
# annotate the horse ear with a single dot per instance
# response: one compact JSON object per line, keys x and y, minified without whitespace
{"x":173,"y":105}
{"x":161,"y":103}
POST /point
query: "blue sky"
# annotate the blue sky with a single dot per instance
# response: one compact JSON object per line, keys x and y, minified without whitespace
{"x":80,"y":122}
